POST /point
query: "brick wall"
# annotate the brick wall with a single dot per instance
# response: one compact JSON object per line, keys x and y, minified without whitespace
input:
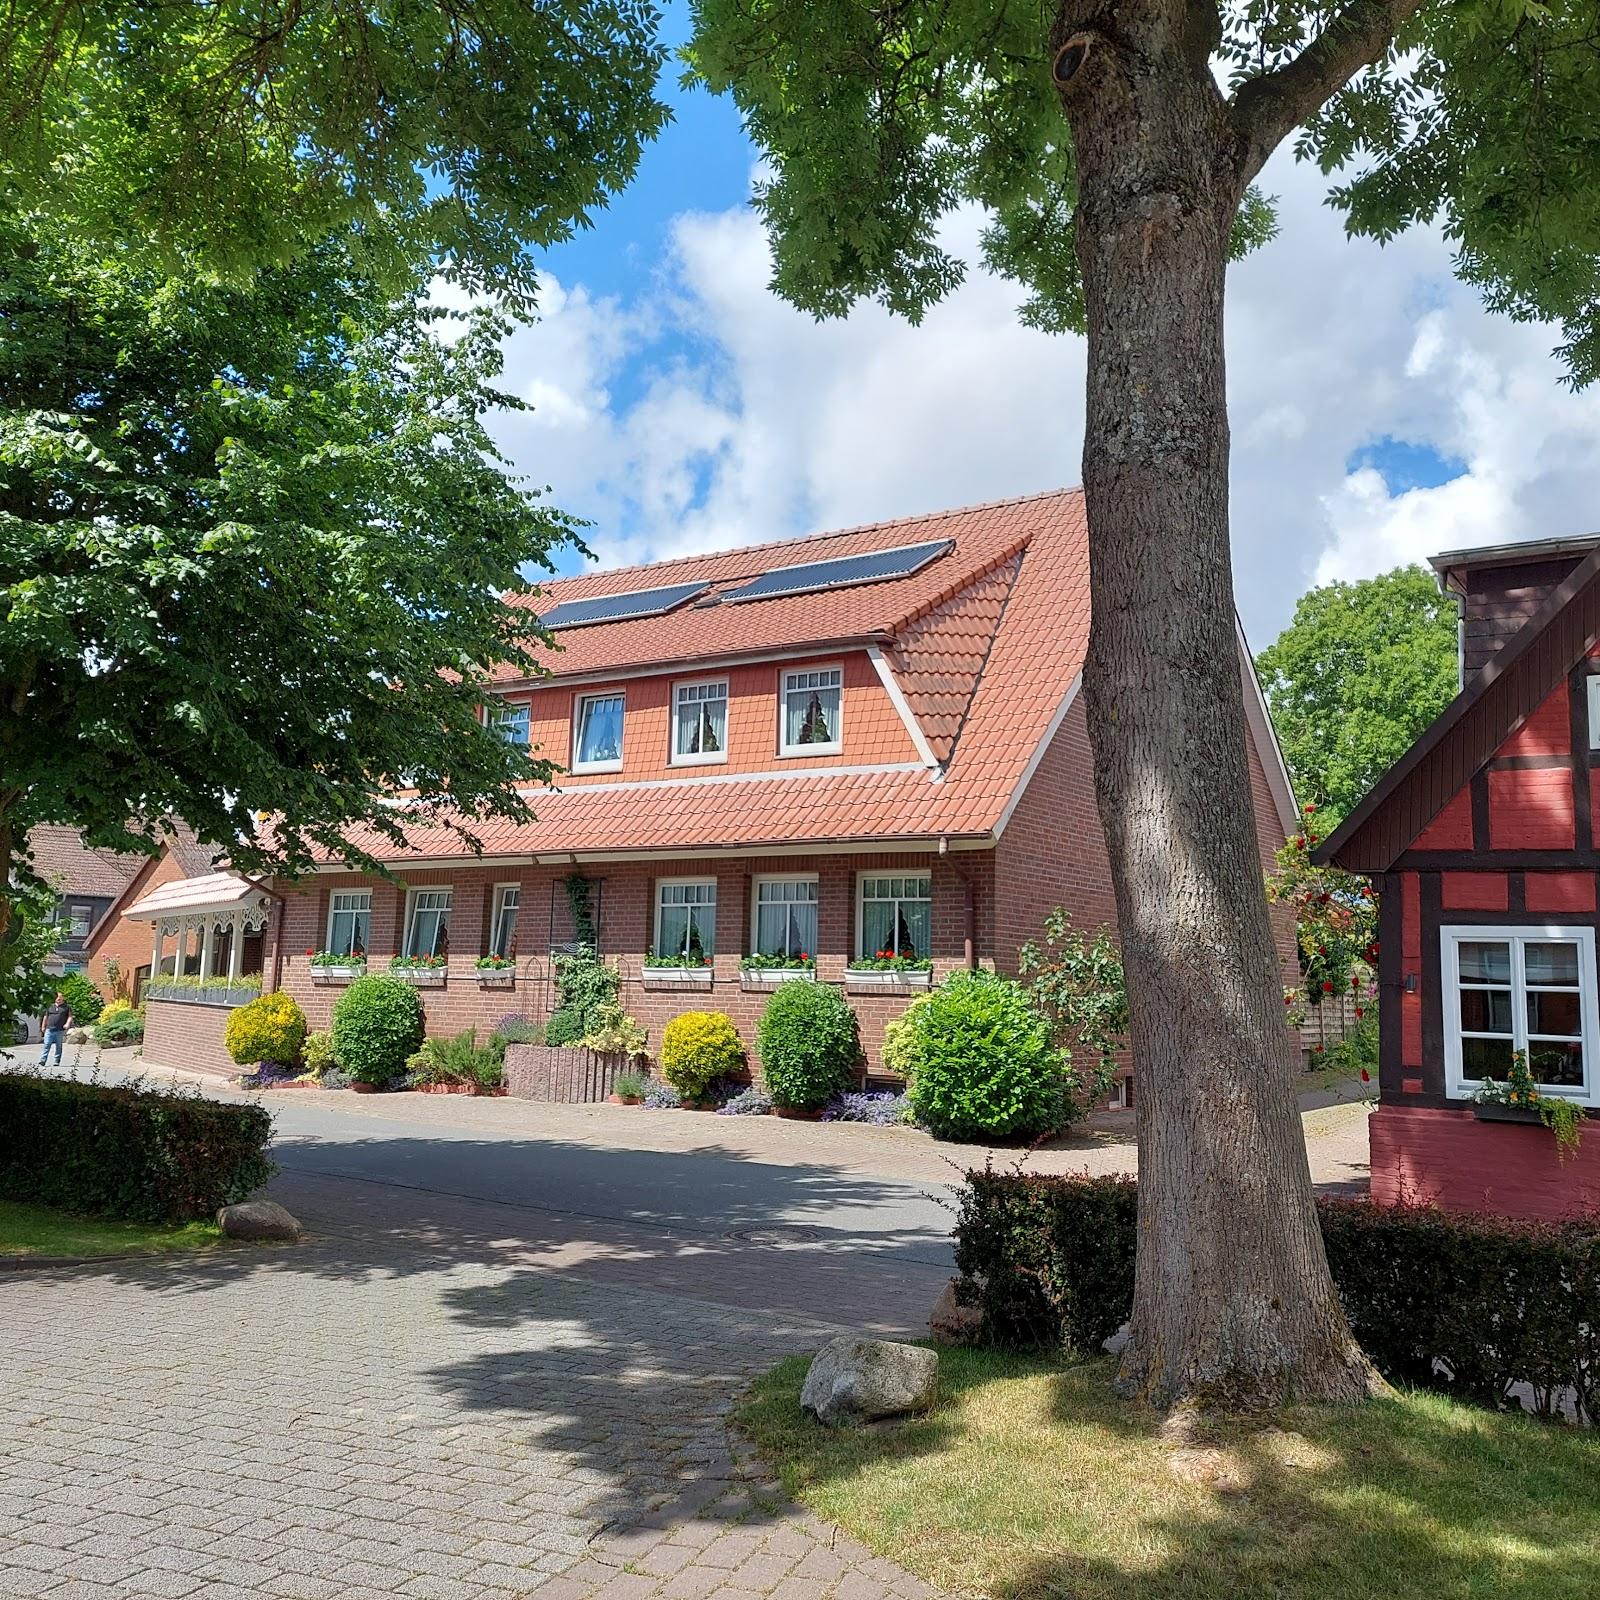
{"x":186,"y":1036}
{"x":627,"y":899}
{"x":1430,"y":1156}
{"x":539,"y":1072}
{"x":128,"y":943}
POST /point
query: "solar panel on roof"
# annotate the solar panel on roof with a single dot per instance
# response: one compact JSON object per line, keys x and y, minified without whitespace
{"x":620,"y":607}
{"x":871,"y":567}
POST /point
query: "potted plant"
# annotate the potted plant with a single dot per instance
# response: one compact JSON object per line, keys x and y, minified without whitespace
{"x":888,"y":969}
{"x":768,"y":971}
{"x":495,"y":972}
{"x":629,"y":1088}
{"x":328,"y":966}
{"x":1517,"y":1099}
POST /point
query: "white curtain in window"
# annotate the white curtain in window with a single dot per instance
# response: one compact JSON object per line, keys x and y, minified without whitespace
{"x":600,"y":729}
{"x":504,"y":932}
{"x":897,"y":916}
{"x":701,"y":722}
{"x":349,"y":920}
{"x":811,"y":708}
{"x":429,"y":933}
{"x":786,"y":918}
{"x":686,"y":919}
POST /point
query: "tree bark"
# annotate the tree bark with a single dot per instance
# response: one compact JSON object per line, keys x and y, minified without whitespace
{"x":1234,"y":1306}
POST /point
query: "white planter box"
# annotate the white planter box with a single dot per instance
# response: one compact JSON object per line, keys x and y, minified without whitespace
{"x":771,"y":977}
{"x":340,"y":974}
{"x":422,"y":977}
{"x":496,"y":977}
{"x":676,"y":977}
{"x":886,"y":978}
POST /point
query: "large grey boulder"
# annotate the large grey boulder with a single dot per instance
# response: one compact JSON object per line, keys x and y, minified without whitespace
{"x":857,"y":1380}
{"x":258,"y":1219}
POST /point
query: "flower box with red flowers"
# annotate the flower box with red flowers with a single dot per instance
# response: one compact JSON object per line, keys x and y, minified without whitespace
{"x":426,"y":972}
{"x":886,"y":970}
{"x":692,"y":971}
{"x":767,"y":972}
{"x":329,"y":967}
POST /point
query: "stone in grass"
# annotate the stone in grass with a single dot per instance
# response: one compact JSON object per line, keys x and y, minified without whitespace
{"x":859,"y":1380}
{"x":258,"y":1219}
{"x":953,"y":1323}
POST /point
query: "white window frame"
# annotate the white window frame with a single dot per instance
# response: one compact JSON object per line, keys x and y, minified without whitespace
{"x":1460,"y":1087}
{"x":497,"y":910}
{"x":519,"y":712}
{"x":677,"y":758}
{"x":334,"y":910}
{"x":781,"y":877}
{"x":836,"y":745}
{"x":861,"y":952}
{"x":578,"y":703}
{"x":1593,"y":681}
{"x":72,"y":907}
{"x":684,"y":883}
{"x":447,"y":890}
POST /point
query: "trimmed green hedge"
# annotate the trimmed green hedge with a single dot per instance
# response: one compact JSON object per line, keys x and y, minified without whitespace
{"x":127,"y":1150}
{"x":1472,"y":1305}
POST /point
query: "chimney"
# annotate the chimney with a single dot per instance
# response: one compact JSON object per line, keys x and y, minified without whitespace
{"x":1498,"y":587}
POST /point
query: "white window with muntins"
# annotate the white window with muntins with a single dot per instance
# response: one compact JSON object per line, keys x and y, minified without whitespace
{"x":812,"y":712}
{"x":686,"y":917}
{"x":511,"y":723}
{"x":785,"y":916}
{"x":1520,"y":988}
{"x":503,"y":925}
{"x":349,"y":921}
{"x":428,"y":922}
{"x":597,"y":734}
{"x":894,"y":916}
{"x":699,"y":722}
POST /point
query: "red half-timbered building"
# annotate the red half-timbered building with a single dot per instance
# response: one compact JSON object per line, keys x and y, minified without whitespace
{"x":1481,"y":841}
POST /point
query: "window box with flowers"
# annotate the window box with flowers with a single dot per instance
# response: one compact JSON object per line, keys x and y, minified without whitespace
{"x":692,"y":970}
{"x":426,"y":972}
{"x":768,"y":971}
{"x":496,"y":972}
{"x":883,"y":969}
{"x":329,"y":966}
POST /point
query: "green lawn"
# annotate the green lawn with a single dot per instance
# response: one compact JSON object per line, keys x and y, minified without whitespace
{"x":1030,"y":1479}
{"x":29,"y":1230}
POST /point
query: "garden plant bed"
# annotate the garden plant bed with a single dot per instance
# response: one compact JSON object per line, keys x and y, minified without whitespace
{"x":771,"y":977}
{"x":1030,"y":1479}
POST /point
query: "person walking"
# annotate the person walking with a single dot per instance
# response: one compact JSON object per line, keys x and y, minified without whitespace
{"x":56,"y":1022}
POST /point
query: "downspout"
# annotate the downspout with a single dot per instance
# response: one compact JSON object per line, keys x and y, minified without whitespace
{"x":969,"y":905}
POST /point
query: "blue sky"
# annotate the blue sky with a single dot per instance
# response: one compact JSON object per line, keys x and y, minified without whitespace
{"x":1378,"y":412}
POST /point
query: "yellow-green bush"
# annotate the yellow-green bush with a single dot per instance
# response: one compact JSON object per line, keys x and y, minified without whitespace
{"x":271,"y":1028}
{"x":115,"y":1008}
{"x":698,"y":1048}
{"x":900,"y":1039}
{"x":316,"y":1055}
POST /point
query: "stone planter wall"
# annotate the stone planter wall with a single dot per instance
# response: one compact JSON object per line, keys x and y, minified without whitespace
{"x":560,"y":1072}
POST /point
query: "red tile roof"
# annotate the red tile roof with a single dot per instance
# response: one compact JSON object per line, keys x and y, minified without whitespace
{"x":985,"y":643}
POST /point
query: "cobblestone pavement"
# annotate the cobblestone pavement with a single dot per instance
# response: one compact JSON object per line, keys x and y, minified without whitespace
{"x":426,"y":1409}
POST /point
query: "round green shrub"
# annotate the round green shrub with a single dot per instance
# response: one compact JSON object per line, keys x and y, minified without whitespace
{"x":271,"y":1028}
{"x":377,"y":1023}
{"x":86,"y":1001}
{"x":809,"y":1043}
{"x":982,"y":1064}
{"x":697,"y":1048}
{"x":316,"y":1054}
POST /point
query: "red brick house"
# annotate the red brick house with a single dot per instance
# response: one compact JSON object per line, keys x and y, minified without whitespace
{"x":837,"y":745}
{"x":87,"y":882}
{"x":1481,"y":842}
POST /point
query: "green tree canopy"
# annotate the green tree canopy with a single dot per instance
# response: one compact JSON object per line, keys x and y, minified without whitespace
{"x":253,"y":547}
{"x":229,"y":133}
{"x":1361,"y":670}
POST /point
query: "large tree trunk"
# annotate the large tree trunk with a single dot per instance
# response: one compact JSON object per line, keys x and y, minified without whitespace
{"x":1233,"y":1301}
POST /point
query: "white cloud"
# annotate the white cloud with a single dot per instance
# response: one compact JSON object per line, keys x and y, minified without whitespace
{"x":702,"y":412}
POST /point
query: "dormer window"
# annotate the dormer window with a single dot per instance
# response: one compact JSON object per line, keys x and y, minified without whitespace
{"x":597,"y":738}
{"x":511,"y":723}
{"x":700,"y":722}
{"x":811,"y":712}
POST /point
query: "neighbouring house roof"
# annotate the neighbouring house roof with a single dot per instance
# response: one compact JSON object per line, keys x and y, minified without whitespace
{"x":71,"y":867}
{"x":1448,"y":563}
{"x":216,"y":891}
{"x":982,"y":648}
{"x":1504,"y":692}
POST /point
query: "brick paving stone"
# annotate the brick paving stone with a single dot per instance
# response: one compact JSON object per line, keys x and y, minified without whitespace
{"x":489,"y":1429}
